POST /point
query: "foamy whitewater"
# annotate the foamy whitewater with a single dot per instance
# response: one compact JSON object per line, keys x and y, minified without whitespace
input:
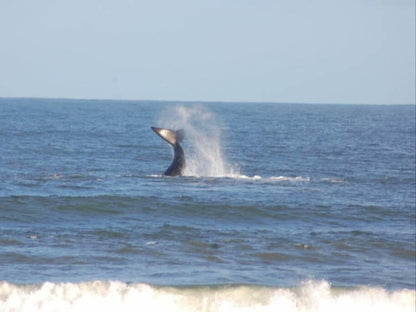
{"x":112,"y":296}
{"x":282,"y":207}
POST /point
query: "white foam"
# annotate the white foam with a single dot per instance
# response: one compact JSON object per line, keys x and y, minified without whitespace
{"x":154,"y":175}
{"x":294,"y":179}
{"x":118,"y":296}
{"x":243,"y":177}
{"x":151,"y":243}
{"x":270,"y":179}
{"x":332,"y":180}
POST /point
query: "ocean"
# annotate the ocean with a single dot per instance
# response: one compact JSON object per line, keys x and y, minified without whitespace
{"x":282,"y":207}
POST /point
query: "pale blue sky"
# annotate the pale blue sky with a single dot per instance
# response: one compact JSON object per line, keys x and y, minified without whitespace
{"x":323,"y":51}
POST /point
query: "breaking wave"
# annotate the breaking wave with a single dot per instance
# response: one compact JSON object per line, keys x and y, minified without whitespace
{"x":119,"y":296}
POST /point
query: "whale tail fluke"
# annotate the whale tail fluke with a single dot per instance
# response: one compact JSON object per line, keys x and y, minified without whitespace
{"x":173,"y":138}
{"x":170,"y":136}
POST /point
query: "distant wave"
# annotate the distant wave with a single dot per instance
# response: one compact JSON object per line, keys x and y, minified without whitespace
{"x":273,"y":178}
{"x":230,"y":175}
{"x":225,"y":175}
{"x":260,"y":178}
{"x":119,"y":296}
{"x":246,"y":177}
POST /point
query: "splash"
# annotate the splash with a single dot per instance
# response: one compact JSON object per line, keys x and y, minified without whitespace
{"x":202,"y":144}
{"x":118,"y":296}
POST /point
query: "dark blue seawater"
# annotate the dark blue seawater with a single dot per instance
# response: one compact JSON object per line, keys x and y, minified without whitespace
{"x":274,"y":195}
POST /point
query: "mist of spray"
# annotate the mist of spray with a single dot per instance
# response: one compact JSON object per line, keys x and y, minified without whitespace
{"x":202,"y":143}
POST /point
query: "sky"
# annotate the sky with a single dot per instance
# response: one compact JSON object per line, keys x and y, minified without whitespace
{"x":294,"y":51}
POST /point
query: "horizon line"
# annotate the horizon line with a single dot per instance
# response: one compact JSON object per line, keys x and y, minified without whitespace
{"x":198,"y":101}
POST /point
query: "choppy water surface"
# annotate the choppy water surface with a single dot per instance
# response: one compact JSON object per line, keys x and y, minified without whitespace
{"x":288,"y":200}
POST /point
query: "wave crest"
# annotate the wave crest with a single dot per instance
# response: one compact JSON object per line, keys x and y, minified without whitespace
{"x":113,"y":296}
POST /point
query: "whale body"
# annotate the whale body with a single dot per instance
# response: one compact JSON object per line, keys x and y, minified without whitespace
{"x":173,"y":137}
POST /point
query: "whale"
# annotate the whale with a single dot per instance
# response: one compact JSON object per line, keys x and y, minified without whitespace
{"x":173,"y":137}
